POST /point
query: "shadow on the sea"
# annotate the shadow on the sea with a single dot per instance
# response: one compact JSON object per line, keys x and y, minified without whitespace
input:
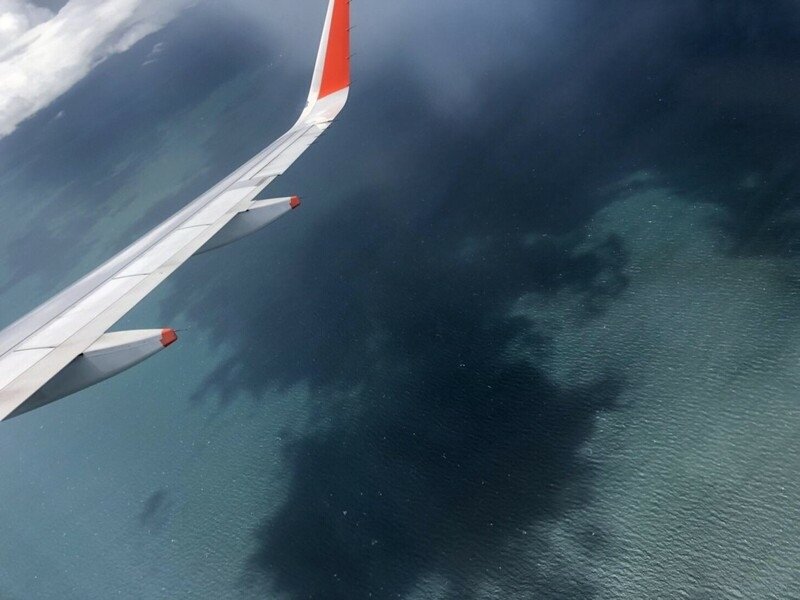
{"x":459,"y":443}
{"x":394,"y":310}
{"x":726,"y":127}
{"x":155,"y":511}
{"x":445,"y":468}
{"x":442,"y":442}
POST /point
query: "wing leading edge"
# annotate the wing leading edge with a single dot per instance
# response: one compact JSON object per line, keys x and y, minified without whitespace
{"x":41,"y":344}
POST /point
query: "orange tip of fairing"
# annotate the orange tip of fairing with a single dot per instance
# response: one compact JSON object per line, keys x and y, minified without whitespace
{"x":294,"y":202}
{"x":168,"y":337}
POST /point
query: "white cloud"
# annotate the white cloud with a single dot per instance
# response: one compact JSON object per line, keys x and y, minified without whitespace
{"x":17,"y":17}
{"x":42,"y":55}
{"x":155,"y":52}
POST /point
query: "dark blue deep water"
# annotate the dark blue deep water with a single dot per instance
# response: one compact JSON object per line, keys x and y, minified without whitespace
{"x":534,"y":333}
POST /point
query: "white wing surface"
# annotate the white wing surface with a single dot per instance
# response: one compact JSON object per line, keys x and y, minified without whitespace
{"x":37,"y":347}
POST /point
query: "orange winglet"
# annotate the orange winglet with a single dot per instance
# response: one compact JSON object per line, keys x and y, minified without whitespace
{"x":336,"y":73}
{"x":294,"y":202}
{"x":168,"y":337}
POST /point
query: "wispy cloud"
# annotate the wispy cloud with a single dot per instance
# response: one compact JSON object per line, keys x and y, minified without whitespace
{"x":43,"y":54}
{"x":17,"y":17}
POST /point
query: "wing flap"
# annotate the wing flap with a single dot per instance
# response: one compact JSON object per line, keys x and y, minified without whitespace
{"x":78,"y":316}
{"x":214,"y":210}
{"x":159,"y":254}
{"x":25,"y":384}
{"x":14,"y":364}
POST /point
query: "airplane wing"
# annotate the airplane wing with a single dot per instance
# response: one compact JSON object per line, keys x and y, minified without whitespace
{"x":67,"y":335}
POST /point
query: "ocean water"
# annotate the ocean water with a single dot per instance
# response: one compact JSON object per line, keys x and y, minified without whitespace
{"x":533,"y":333}
{"x":695,"y":468}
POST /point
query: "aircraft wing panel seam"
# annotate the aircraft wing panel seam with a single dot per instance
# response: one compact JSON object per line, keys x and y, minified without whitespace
{"x":113,"y":274}
{"x":28,"y":382}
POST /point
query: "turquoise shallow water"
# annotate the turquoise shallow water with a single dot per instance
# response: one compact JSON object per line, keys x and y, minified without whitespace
{"x":532,"y":333}
{"x":696,"y":470}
